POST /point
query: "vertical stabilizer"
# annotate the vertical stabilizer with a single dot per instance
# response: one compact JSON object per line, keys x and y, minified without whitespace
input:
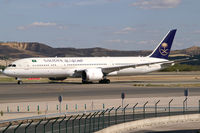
{"x":164,"y":47}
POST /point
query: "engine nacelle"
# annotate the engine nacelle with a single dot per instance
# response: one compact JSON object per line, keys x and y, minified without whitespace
{"x":57,"y":78}
{"x":92,"y":74}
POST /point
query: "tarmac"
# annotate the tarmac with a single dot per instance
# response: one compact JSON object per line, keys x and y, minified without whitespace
{"x":136,"y":89}
{"x":160,"y":84}
{"x":45,"y":91}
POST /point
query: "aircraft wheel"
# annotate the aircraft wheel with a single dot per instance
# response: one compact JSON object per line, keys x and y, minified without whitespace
{"x":104,"y":81}
{"x":19,"y":82}
{"x":108,"y":81}
{"x":85,"y":82}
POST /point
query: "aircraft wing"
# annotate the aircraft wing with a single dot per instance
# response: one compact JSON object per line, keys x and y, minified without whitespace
{"x":107,"y":70}
{"x":117,"y":68}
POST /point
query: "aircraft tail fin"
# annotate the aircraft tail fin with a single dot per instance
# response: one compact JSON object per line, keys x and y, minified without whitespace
{"x":164,"y":47}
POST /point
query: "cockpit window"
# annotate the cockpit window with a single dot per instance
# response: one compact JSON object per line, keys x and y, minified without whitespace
{"x":11,"y":65}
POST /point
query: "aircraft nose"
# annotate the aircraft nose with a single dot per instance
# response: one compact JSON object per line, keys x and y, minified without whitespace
{"x":6,"y":72}
{"x":3,"y":71}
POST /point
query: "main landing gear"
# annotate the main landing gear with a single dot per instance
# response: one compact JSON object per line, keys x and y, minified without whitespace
{"x":19,"y":81}
{"x":104,"y":81}
{"x":86,"y":82}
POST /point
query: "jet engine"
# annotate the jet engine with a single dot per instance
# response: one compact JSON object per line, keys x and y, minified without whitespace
{"x":92,"y":74}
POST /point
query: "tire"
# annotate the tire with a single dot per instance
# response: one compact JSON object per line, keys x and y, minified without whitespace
{"x":108,"y":81}
{"x":104,"y":81}
{"x":85,"y":82}
{"x":19,"y":82}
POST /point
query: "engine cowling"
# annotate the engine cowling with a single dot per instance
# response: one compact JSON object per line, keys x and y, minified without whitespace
{"x":92,"y":74}
{"x":57,"y":78}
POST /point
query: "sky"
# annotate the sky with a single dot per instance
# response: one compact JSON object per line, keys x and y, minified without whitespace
{"x":111,"y":24}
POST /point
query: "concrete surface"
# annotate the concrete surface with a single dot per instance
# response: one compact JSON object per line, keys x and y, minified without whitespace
{"x":96,"y":104}
{"x":12,"y":93}
{"x":45,"y":94}
{"x":156,"y":124}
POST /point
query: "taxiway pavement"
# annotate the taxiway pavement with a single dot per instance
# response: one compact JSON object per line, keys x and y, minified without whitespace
{"x":11,"y":92}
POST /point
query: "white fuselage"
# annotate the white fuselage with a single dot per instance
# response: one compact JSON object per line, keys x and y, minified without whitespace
{"x":92,"y":68}
{"x":67,"y":67}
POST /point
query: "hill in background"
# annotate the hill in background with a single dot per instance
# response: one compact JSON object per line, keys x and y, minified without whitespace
{"x":11,"y":51}
{"x":34,"y":49}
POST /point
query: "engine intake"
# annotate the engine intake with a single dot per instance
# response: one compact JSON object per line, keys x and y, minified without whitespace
{"x":92,"y":74}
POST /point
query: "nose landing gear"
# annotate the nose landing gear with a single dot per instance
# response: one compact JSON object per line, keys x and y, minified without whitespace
{"x":19,"y":81}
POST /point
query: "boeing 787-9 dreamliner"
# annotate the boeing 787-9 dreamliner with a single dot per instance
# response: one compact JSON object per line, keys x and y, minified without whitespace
{"x":92,"y":68}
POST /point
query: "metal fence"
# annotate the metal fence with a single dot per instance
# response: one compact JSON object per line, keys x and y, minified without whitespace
{"x":96,"y":120}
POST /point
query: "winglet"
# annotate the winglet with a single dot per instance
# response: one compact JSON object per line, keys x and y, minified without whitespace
{"x":163,"y":49}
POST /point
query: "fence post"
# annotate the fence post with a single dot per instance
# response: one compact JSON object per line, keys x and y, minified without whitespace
{"x":38,"y":108}
{"x":85,"y":107}
{"x":37,"y":125}
{"x":79,"y":122}
{"x":156,"y":108}
{"x":18,"y":127}
{"x":61,"y":122}
{"x":94,"y":120}
{"x":144,"y":109}
{"x":18,"y":108}
{"x":73,"y":123}
{"x":116,"y":114}
{"x":86,"y":121}
{"x":170,"y":106}
{"x":76,"y":107}
{"x":90,"y":121}
{"x":99,"y":118}
{"x":66,"y":107}
{"x":28,"y":108}
{"x":44,"y":131}
{"x":57,"y":108}
{"x":8,"y":110}
{"x":6,"y":128}
{"x":28,"y":126}
{"x":134,"y":110}
{"x":47,"y":108}
{"x":67,"y":122}
{"x":184,"y":105}
{"x":53,"y":124}
{"x":103,"y":116}
{"x":109,"y":115}
{"x":103,"y":106}
{"x":124,"y":109}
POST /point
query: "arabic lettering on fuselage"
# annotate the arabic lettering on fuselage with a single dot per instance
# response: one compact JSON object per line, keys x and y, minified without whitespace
{"x":63,"y":60}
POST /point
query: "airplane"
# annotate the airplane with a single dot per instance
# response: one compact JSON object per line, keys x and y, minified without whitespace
{"x":92,"y":69}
